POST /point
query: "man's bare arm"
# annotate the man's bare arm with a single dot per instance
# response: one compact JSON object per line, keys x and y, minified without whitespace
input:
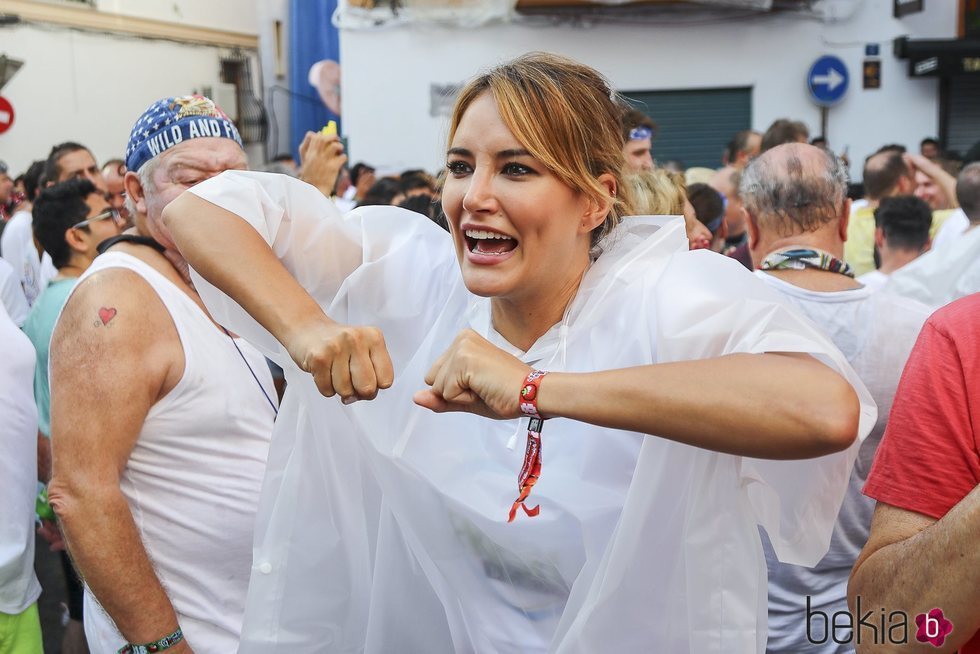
{"x":913,"y":563}
{"x":114,"y":353}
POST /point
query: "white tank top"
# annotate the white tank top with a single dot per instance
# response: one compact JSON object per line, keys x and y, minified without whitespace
{"x":192,"y":481}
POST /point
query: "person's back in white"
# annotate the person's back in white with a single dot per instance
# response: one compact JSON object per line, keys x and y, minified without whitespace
{"x":12,"y":294}
{"x":17,"y":247}
{"x":953,"y":228}
{"x":19,"y":588}
{"x":952,"y":270}
{"x":874,"y":331}
{"x":902,"y":226}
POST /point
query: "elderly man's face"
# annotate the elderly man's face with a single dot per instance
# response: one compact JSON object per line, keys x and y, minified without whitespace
{"x":180,"y":168}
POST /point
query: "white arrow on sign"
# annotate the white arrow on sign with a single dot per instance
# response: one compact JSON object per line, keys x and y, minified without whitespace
{"x":831,"y":80}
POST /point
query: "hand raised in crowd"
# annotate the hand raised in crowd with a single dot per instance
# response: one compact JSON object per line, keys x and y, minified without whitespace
{"x":698,"y":236}
{"x":351,"y":362}
{"x":916,"y":162}
{"x":321,"y":158}
{"x":474,"y":375}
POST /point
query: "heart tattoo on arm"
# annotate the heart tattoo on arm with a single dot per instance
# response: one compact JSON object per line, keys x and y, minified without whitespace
{"x":106,"y":314}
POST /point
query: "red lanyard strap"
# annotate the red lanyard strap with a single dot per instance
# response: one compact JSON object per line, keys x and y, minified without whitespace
{"x":531,"y":469}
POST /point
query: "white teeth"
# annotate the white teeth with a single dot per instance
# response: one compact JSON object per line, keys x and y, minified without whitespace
{"x":480,"y":234}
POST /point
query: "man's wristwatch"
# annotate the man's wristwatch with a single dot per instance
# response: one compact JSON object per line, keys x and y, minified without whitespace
{"x":164,"y":643}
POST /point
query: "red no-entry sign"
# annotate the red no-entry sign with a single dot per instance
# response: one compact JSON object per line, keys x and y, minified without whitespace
{"x":6,"y":114}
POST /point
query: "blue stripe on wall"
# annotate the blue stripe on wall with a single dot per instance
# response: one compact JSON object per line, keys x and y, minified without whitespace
{"x":312,"y":37}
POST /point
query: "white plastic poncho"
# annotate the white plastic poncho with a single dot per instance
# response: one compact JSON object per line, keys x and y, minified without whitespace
{"x":382,"y":526}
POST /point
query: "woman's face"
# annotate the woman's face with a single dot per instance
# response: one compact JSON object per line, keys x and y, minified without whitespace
{"x":518,"y":230}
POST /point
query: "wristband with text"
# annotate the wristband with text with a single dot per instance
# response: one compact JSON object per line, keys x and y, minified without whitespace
{"x":161,"y":645}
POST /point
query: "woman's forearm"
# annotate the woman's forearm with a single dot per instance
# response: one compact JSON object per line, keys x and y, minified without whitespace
{"x":350,"y":361}
{"x":232,"y":256}
{"x":776,"y":406}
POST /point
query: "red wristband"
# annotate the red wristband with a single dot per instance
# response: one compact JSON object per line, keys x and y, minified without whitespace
{"x":528,"y":400}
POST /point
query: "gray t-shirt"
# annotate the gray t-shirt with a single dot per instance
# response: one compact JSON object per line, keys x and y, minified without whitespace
{"x":876,"y":332}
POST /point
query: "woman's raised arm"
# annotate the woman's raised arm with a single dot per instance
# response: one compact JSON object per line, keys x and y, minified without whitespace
{"x":230,"y":254}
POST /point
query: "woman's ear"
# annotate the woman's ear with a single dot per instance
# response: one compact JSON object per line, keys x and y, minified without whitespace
{"x":598,"y":210}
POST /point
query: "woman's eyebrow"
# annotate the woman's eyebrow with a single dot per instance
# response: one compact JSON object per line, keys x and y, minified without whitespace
{"x":511,"y":154}
{"x":503,"y":154}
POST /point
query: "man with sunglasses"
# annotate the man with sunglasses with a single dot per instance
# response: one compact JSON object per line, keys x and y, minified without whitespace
{"x":638,"y":133}
{"x":33,"y":265}
{"x":70,"y":220}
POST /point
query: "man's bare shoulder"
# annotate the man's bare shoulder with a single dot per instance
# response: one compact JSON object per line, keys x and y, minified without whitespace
{"x":115,"y":320}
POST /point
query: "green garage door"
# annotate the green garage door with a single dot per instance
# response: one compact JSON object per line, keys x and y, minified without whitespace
{"x":694,"y":126}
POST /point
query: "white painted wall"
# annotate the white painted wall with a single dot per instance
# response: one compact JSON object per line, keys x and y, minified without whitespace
{"x":228,"y":15}
{"x":387,"y":73}
{"x":277,"y":100}
{"x":91,"y":87}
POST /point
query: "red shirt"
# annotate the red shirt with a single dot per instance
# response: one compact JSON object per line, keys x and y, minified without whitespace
{"x":929,"y":458}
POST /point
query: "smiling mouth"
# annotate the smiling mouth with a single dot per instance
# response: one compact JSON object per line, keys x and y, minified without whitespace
{"x":490,"y":243}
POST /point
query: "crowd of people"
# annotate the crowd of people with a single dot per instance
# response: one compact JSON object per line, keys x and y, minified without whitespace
{"x":558,"y":397}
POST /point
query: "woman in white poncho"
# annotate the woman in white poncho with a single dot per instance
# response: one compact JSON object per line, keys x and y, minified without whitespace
{"x":383,"y":525}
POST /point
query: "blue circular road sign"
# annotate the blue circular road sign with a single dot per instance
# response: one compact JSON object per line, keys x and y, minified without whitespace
{"x":827,"y":80}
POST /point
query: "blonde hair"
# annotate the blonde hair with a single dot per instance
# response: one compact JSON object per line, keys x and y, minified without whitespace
{"x":658,"y":192}
{"x":566,"y":115}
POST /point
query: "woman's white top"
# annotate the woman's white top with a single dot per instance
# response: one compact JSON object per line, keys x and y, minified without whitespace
{"x":18,"y":468}
{"x":383,"y":526}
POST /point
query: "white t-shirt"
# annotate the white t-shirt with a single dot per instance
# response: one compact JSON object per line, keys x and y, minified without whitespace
{"x":12,"y":295}
{"x":383,"y":526}
{"x":943,"y":274}
{"x":876,"y":332}
{"x":17,"y":248}
{"x":874,"y":279}
{"x":18,"y":469}
{"x":955,"y":225}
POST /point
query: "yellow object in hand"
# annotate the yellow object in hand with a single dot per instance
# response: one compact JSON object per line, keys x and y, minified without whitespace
{"x":330,"y":129}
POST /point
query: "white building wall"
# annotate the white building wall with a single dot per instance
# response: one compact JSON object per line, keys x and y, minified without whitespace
{"x":91,"y":87}
{"x":227,"y":15}
{"x":387,"y":73}
{"x":275,"y":74}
